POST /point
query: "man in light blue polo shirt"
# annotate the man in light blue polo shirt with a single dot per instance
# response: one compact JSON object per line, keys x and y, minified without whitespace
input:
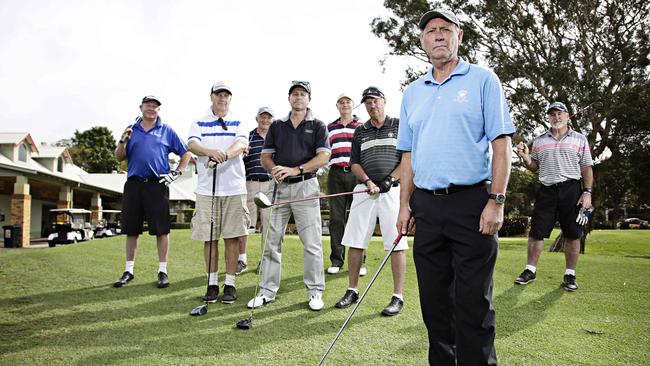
{"x":455,"y":136}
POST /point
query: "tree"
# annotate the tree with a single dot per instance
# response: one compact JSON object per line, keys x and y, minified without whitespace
{"x":576,"y":51}
{"x":93,"y":150}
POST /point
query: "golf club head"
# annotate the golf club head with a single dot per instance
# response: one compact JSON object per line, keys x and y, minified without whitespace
{"x":245,"y":323}
{"x":261,"y":200}
{"x":199,"y":310}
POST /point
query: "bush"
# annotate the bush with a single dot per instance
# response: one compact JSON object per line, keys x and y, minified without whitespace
{"x":514,"y":226}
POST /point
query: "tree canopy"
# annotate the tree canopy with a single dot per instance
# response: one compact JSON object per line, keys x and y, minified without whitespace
{"x":93,"y":150}
{"x":580,"y":52}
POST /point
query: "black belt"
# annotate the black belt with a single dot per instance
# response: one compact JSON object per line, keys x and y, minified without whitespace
{"x":455,"y":189}
{"x":346,"y":168}
{"x":563,"y":183}
{"x":138,"y":179}
{"x":299,"y":178}
{"x":259,"y":180}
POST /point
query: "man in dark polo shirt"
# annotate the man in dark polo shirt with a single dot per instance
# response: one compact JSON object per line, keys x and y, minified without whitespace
{"x":340,"y":178}
{"x":257,"y":178}
{"x":147,"y":144}
{"x":375,"y":162}
{"x":295,"y":147}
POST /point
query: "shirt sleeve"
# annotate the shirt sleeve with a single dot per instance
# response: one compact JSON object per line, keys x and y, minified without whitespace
{"x":177,"y":146}
{"x":585,"y":157}
{"x":269,"y":141}
{"x":194,"y":133}
{"x":405,"y":133}
{"x":322,"y":140}
{"x":495,"y":109}
{"x":355,"y":154}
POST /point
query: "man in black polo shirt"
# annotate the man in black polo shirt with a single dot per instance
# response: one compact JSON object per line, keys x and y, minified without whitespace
{"x":257,"y":178}
{"x":295,"y":147}
{"x":375,"y":162}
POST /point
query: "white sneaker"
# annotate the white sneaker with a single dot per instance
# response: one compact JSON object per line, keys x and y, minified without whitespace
{"x":316,"y":302}
{"x":259,"y":301}
{"x":251,"y":230}
{"x":333,"y":270}
{"x":363,"y":271}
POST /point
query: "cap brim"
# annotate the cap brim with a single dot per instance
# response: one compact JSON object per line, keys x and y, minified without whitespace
{"x":299,"y":86}
{"x":432,"y":15}
{"x":220,"y":90}
{"x":152,"y":100}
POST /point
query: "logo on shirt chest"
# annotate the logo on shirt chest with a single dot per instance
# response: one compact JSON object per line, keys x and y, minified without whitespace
{"x":461,"y":97}
{"x":309,"y":131}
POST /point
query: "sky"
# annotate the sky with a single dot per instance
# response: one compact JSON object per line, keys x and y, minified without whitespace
{"x":71,"y":65}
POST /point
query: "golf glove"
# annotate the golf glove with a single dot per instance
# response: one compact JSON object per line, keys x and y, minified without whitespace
{"x":211,"y":163}
{"x":584,"y":215}
{"x":169,"y":178}
{"x":386,"y":184}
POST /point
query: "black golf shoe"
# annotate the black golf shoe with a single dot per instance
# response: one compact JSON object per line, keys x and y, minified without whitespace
{"x":126,"y":278}
{"x":229,"y":294}
{"x":163,"y":280}
{"x":526,"y":277}
{"x":348,"y":299}
{"x":569,"y":283}
{"x":212,"y":294}
{"x":394,"y":307}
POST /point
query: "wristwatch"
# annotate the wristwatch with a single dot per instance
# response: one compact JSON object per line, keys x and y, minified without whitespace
{"x":587,"y":190}
{"x":499,"y":198}
{"x":302,"y":169}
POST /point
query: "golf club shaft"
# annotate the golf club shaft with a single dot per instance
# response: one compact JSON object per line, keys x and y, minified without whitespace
{"x":320,"y":196}
{"x":356,"y":306}
{"x":580,"y":111}
{"x":266,"y":237}
{"x":212,"y":220}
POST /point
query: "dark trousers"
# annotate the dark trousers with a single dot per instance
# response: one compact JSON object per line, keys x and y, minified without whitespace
{"x":339,"y":181}
{"x":454,"y":264}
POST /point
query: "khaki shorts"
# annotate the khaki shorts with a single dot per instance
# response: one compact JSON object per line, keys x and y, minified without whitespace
{"x":231,"y":217}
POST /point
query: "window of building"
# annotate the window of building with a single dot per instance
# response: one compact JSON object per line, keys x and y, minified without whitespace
{"x":59,"y":165}
{"x":22,"y":152}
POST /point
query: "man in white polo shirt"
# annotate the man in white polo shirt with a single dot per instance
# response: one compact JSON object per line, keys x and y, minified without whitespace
{"x":218,"y":139}
{"x":561,"y":156}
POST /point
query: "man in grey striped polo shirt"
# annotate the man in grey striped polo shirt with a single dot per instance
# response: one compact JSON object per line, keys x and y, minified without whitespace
{"x":375,"y":162}
{"x":562,"y":158}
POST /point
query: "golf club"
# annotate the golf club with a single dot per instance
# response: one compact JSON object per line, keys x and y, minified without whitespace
{"x":580,"y":111}
{"x":203,"y":309}
{"x":262,"y":201}
{"x":372,"y":280}
{"x":247,"y":323}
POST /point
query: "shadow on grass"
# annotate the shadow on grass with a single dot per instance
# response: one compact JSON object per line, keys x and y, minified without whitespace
{"x":150,"y":319}
{"x":518,"y":318}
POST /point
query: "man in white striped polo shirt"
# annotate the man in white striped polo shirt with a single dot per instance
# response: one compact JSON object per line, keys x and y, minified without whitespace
{"x":562,"y":158}
{"x":219,"y":136}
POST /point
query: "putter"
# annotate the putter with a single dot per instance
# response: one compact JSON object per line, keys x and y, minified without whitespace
{"x":203,"y":309}
{"x":262,"y":201}
{"x":247,"y":323}
{"x":356,"y":306}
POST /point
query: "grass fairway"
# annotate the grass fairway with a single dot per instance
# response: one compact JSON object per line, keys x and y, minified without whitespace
{"x":57,"y":307}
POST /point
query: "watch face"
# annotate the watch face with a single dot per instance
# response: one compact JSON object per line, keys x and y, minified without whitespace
{"x":500,"y":198}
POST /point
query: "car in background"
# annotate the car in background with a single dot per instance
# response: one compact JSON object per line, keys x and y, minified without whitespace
{"x":69,"y":225}
{"x":633,"y":223}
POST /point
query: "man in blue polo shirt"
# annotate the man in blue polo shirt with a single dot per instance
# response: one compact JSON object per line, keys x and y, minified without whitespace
{"x":147,"y":144}
{"x":295,"y":147}
{"x":455,"y":134}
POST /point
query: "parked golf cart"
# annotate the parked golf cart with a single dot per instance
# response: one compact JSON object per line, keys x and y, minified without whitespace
{"x":109,"y":224}
{"x":69,"y":225}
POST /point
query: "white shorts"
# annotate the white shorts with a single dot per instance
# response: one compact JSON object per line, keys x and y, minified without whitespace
{"x":364,"y":211}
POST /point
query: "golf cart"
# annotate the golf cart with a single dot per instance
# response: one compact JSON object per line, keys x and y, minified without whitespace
{"x":109,"y":224}
{"x":69,"y":225}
